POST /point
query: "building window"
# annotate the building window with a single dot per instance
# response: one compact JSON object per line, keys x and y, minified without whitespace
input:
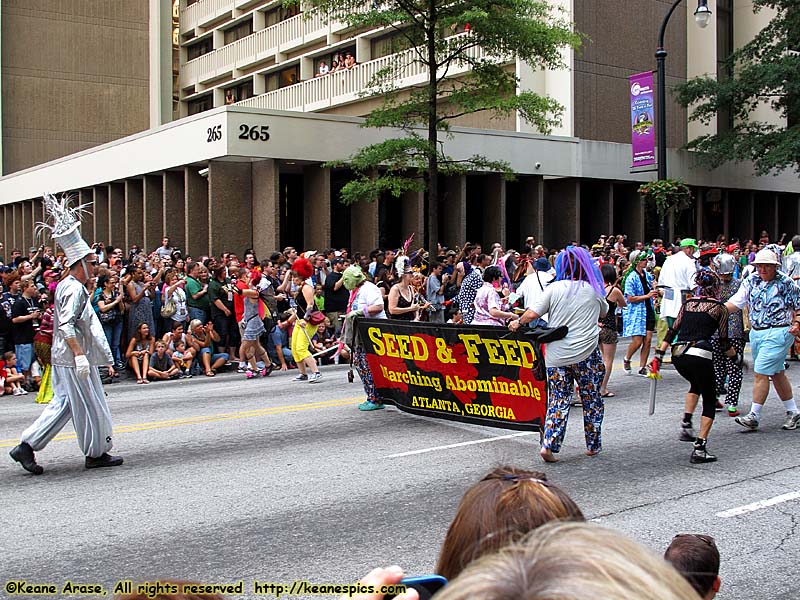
{"x":388,"y":44}
{"x":284,"y":78}
{"x":199,"y":105}
{"x":203,"y":47}
{"x":240,"y":31}
{"x":238,"y":93}
{"x":281,"y":13}
{"x":724,"y":51}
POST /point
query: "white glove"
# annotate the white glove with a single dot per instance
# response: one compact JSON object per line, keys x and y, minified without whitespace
{"x":82,"y":366}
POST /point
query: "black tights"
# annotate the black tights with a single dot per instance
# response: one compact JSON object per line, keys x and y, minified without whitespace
{"x":699,"y":372}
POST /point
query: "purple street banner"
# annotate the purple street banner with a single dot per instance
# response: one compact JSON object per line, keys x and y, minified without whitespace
{"x":474,"y":374}
{"x":643,"y":134}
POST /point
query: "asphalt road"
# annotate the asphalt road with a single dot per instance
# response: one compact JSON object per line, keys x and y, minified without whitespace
{"x":274,"y":481}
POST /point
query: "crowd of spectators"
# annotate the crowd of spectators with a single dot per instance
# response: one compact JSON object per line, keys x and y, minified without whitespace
{"x":203,"y":299}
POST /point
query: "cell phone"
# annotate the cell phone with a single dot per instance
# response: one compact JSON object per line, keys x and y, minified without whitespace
{"x":426,"y":585}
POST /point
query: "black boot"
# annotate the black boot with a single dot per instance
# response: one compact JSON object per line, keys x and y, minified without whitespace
{"x":24,"y":455}
{"x":700,"y":453}
{"x":104,"y":460}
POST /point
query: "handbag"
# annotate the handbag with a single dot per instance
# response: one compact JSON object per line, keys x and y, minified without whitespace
{"x":169,"y":309}
{"x":316,"y":317}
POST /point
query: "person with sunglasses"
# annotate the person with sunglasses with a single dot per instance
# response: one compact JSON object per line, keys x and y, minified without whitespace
{"x":79,"y":348}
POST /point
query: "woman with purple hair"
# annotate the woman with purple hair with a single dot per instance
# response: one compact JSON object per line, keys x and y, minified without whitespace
{"x":575,"y":299}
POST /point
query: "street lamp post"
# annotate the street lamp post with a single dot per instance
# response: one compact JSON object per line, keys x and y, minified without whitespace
{"x":702,"y":17}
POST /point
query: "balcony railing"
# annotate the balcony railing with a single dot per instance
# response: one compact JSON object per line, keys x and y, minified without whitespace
{"x":343,"y":87}
{"x":204,"y":11}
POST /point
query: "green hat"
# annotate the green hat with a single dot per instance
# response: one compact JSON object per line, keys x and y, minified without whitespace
{"x":688,"y":243}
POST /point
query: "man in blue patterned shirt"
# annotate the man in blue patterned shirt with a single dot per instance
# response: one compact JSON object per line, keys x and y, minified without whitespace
{"x":773,"y":300}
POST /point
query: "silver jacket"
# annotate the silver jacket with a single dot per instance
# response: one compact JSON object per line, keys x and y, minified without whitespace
{"x":74,"y":317}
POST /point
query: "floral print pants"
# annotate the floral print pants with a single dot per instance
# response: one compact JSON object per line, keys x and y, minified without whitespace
{"x":362,"y":366}
{"x":588,"y":374}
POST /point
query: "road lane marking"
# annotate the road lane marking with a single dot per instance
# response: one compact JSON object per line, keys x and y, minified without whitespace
{"x":459,"y":445}
{"x":201,"y":419}
{"x":748,"y":508}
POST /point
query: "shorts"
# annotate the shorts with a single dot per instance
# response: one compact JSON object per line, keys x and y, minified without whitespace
{"x":650,"y":324}
{"x":608,"y":336}
{"x":24,"y":354}
{"x":769,"y":347}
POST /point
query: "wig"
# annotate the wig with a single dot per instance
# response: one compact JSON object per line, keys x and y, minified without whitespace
{"x":575,"y":264}
{"x":643,"y":255}
{"x":302,"y":267}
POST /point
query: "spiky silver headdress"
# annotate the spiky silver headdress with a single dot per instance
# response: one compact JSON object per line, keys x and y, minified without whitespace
{"x":64,"y":221}
{"x":402,"y":264}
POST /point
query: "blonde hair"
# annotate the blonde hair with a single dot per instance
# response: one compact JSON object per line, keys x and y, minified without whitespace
{"x":570,"y":561}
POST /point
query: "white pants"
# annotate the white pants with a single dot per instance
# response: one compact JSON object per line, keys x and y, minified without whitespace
{"x":84,"y":402}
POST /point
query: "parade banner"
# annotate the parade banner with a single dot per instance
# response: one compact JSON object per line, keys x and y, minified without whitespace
{"x":473,"y":374}
{"x":643,"y":134}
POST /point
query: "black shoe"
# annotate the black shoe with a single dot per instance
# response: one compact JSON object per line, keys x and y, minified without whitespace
{"x":104,"y":460}
{"x":24,"y":455}
{"x":687,"y":432}
{"x":700,"y":454}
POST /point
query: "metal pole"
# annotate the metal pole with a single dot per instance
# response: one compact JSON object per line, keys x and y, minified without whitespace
{"x":661,"y":131}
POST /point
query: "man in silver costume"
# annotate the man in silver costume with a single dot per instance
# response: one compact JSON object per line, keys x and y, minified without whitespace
{"x":79,"y":348}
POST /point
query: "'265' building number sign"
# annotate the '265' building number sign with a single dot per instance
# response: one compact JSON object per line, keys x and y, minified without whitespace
{"x":253,"y":133}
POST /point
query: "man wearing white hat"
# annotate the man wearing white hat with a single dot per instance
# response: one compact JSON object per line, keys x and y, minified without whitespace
{"x":79,"y":348}
{"x":677,"y":279}
{"x":774,"y":303}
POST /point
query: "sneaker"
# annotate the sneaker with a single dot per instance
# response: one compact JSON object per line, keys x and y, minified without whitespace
{"x":687,"y":432}
{"x":733,"y":411}
{"x":24,"y":455}
{"x":18,"y":392}
{"x":626,"y":366}
{"x":644,"y":372}
{"x":241,"y":369}
{"x":749,"y":421}
{"x":700,"y":454}
{"x":368,"y":405}
{"x":301,"y":377}
{"x":315,"y":377}
{"x":792,"y":419}
{"x":104,"y":460}
{"x":250,"y":374}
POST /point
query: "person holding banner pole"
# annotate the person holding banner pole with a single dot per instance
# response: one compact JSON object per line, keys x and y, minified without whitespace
{"x":699,"y":318}
{"x":575,"y":299}
{"x":366,"y":300}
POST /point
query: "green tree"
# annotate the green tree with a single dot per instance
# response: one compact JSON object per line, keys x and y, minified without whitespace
{"x":442,"y":38}
{"x":766,"y":70}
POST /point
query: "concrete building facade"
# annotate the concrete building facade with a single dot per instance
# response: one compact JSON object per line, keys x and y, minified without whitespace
{"x":243,"y":165}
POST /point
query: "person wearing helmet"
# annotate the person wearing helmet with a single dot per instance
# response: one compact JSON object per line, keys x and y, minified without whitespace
{"x":725,"y":368}
{"x":773,"y":300}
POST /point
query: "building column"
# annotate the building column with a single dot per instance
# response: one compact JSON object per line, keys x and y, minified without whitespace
{"x":413,"y":215}
{"x":173,"y":225}
{"x":532,"y":208}
{"x":317,"y":207}
{"x":701,"y":198}
{"x":364,"y":224}
{"x":196,"y":223}
{"x":776,"y":233}
{"x":134,"y":213}
{"x":726,"y":215}
{"x":27,"y":227}
{"x":116,"y":215}
{"x":494,"y":209}
{"x":266,"y":206}
{"x":453,"y":208}
{"x":85,"y":196}
{"x":153,"y":212}
{"x":18,"y":243}
{"x":101,"y":231}
{"x":4,"y":229}
{"x":230,"y":200}
{"x":562,"y":211}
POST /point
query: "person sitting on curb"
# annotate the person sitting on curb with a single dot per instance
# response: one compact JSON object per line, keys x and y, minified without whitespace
{"x":161,"y":365}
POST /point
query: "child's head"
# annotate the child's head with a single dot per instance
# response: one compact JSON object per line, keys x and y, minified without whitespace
{"x":161,"y":347}
{"x":318,"y":289}
{"x":180,"y":346}
{"x":10,"y":359}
